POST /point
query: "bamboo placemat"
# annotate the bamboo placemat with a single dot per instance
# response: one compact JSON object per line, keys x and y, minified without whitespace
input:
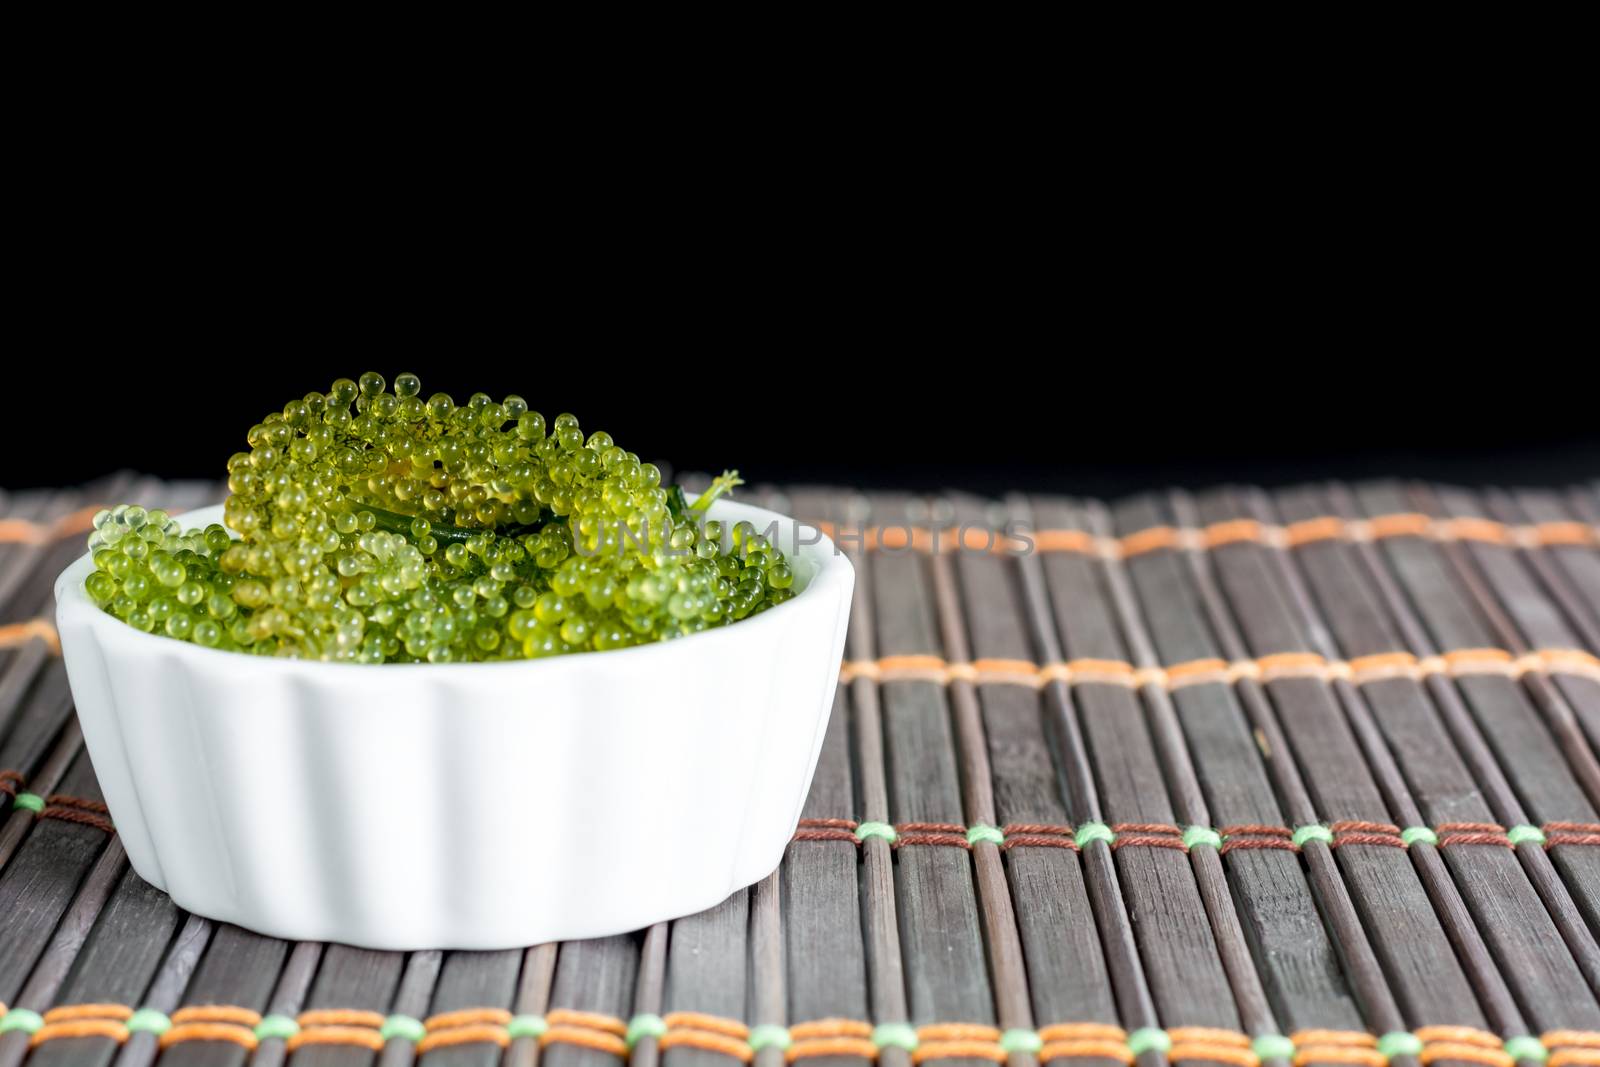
{"x":1239,"y":778}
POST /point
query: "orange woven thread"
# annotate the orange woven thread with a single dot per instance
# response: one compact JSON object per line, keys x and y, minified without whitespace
{"x":340,"y":1017}
{"x":21,"y":532}
{"x":1450,"y":1050}
{"x":1254,"y":844}
{"x":1256,"y":829}
{"x":1201,"y":668}
{"x":1231,"y":532}
{"x":959,"y":1050}
{"x":591,"y":1020}
{"x":1207,"y":1035}
{"x":466,"y":1017}
{"x":818,"y":1028}
{"x":461,"y":1035}
{"x":1459,"y":1035}
{"x":947,"y":834}
{"x":1064,"y":541}
{"x":710,"y":1042}
{"x":1304,"y":532}
{"x":217,"y":1013}
{"x":1382,"y":665}
{"x":242,"y":1036}
{"x":1563,"y":533}
{"x":1147,"y":828}
{"x":71,"y":1012}
{"x":1556,"y":659}
{"x":1406,"y":524}
{"x":715,"y":1024}
{"x":1357,"y":1038}
{"x":1574,"y":1057}
{"x":1003,"y":669}
{"x":1212,"y":1051}
{"x":1570,"y":1039}
{"x":832,"y":1046}
{"x":1113,"y":671}
{"x":1082,"y":1032}
{"x":913,"y":668}
{"x":1293,"y":663}
{"x":1036,"y":828}
{"x":899,"y":538}
{"x":1306,"y":1055}
{"x":359,"y":1036}
{"x":1156,"y":537}
{"x":585,"y":1037}
{"x":20,"y":633}
{"x":1476,"y":656}
{"x":957,"y":1032}
{"x":1571,"y":833}
{"x":110,"y":1028}
{"x":1471,"y":529}
{"x":1085,"y":1048}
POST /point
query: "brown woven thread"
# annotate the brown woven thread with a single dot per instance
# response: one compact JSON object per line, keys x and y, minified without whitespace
{"x":1471,"y":833}
{"x":10,"y":782}
{"x":77,"y":810}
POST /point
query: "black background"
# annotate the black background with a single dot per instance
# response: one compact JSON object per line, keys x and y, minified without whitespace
{"x":1064,"y":418}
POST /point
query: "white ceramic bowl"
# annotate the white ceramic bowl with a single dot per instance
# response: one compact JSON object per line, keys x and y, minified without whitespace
{"x":461,"y":805}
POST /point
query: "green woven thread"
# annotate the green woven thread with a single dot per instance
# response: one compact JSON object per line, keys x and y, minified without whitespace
{"x":1523,"y":1047}
{"x":875,"y":829}
{"x":1312,"y":832}
{"x":1021,"y":1041}
{"x":403,"y":1026}
{"x":981,"y":832}
{"x":769,"y":1035}
{"x":895,"y":1035}
{"x":22,"y":1019}
{"x":28,"y":802}
{"x":1272,"y":1047}
{"x":526,"y":1026}
{"x":1412,"y":834}
{"x":1201,"y":835}
{"x":1148,"y":1039}
{"x":150,"y":1021}
{"x":1093,"y":831}
{"x":1399,"y":1043}
{"x":643,"y":1025}
{"x":1523,"y":832}
{"x":279,"y":1026}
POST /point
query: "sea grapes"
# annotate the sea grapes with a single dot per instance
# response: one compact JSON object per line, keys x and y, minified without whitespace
{"x":378,"y":527}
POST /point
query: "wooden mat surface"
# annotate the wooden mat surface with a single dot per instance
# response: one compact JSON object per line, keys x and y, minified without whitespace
{"x":1235,"y":777}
